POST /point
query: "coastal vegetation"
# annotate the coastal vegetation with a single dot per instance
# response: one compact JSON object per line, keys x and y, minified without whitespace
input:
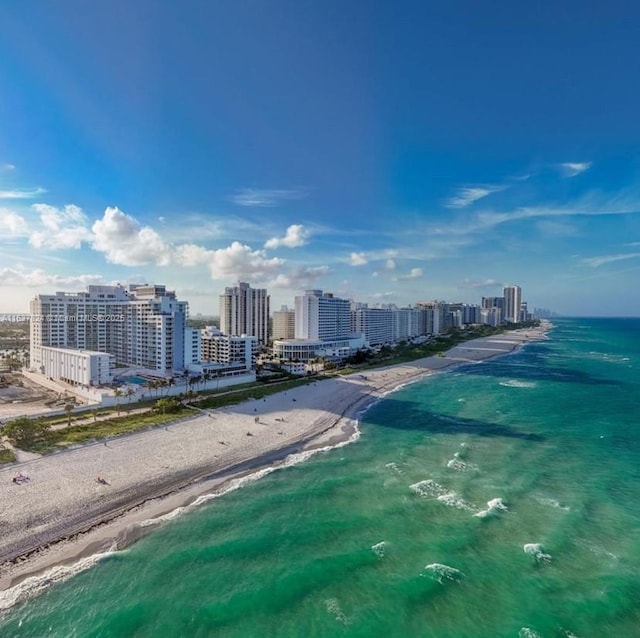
{"x":6,"y":456}
{"x":38,"y":435}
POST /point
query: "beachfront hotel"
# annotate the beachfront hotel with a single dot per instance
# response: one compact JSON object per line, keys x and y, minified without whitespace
{"x":322,"y":329}
{"x":141,"y":326}
{"x":245,"y":311}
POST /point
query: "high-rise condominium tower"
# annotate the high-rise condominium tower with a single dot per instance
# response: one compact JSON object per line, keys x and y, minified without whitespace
{"x":322,"y":316}
{"x":512,"y":301}
{"x":245,"y":311}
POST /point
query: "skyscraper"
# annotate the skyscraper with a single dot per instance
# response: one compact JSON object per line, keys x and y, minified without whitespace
{"x":512,"y":301}
{"x":245,"y":311}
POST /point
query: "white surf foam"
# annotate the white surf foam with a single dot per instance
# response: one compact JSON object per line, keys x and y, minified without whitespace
{"x":440,"y":572}
{"x":34,"y":585}
{"x":394,"y":467}
{"x":527,"y":632}
{"x":380,"y":549}
{"x":457,"y":464}
{"x":428,"y":489}
{"x":551,"y":502}
{"x":514,"y":383}
{"x":494,"y":506}
{"x":333,"y":607}
{"x":537,"y":551}
{"x":453,"y":499}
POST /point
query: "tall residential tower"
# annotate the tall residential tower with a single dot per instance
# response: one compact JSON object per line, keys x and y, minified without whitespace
{"x":245,"y":311}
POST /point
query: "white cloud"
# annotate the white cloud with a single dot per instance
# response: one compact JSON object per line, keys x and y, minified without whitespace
{"x":596,"y":262}
{"x":20,"y":277}
{"x":414,"y":273}
{"x":571,"y":169}
{"x":390,"y":264}
{"x":21,"y":193}
{"x":266,"y":197}
{"x":470,"y":194}
{"x":295,"y":237}
{"x":358,"y":259}
{"x":12,"y":225}
{"x":300,"y":277}
{"x":123,"y":241}
{"x":63,"y":228}
{"x":8,"y":167}
{"x":191,"y":255}
{"x":237,"y":261}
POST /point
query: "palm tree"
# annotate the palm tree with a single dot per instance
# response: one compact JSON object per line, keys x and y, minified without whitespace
{"x":129,"y":392}
{"x":117,"y":393}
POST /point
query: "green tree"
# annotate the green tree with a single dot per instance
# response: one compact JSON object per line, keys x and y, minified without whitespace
{"x":167,"y":405}
{"x":26,"y":433}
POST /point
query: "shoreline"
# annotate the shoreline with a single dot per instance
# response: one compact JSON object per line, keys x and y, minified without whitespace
{"x":51,"y":534}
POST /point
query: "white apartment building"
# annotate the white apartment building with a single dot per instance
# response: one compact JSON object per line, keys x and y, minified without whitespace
{"x":321,"y":316}
{"x":78,"y":367}
{"x":192,"y":346}
{"x":283,"y":324}
{"x":491,"y":316}
{"x":512,"y":302}
{"x":245,"y":311}
{"x":375,"y":323}
{"x":222,"y":348}
{"x":141,"y":326}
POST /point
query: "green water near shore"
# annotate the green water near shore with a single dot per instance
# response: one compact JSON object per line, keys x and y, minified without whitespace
{"x":393,"y":535}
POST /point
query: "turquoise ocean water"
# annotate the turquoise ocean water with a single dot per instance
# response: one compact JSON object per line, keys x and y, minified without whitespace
{"x":499,"y":499}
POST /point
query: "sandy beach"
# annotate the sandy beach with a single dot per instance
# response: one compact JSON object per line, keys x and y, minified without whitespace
{"x":62,"y":514}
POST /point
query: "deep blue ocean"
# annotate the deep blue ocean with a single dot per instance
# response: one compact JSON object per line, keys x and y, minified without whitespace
{"x":497,"y":499}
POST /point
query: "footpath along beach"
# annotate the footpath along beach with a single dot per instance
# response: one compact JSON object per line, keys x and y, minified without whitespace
{"x":62,"y":514}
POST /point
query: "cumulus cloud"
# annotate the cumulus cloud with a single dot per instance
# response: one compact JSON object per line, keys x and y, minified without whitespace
{"x":358,"y":259}
{"x":470,"y":194}
{"x":20,"y":277}
{"x":236,"y":261}
{"x":295,"y":237}
{"x":300,"y":277}
{"x":63,"y":228}
{"x":12,"y":225}
{"x":571,"y":169}
{"x":596,"y":262}
{"x":124,"y":241}
{"x":266,"y":197}
{"x":390,"y":264}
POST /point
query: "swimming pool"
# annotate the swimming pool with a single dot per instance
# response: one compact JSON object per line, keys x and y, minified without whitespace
{"x":134,"y":380}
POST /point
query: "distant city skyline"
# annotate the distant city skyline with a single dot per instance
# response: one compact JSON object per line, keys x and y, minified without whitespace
{"x":400,"y":153}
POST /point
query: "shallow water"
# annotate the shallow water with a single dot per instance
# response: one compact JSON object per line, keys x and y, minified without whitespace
{"x":499,"y":499}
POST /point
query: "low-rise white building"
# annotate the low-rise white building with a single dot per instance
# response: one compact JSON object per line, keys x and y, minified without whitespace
{"x":304,"y":350}
{"x":78,"y":367}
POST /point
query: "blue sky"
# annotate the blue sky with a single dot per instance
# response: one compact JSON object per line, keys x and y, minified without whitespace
{"x":388,"y":152}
